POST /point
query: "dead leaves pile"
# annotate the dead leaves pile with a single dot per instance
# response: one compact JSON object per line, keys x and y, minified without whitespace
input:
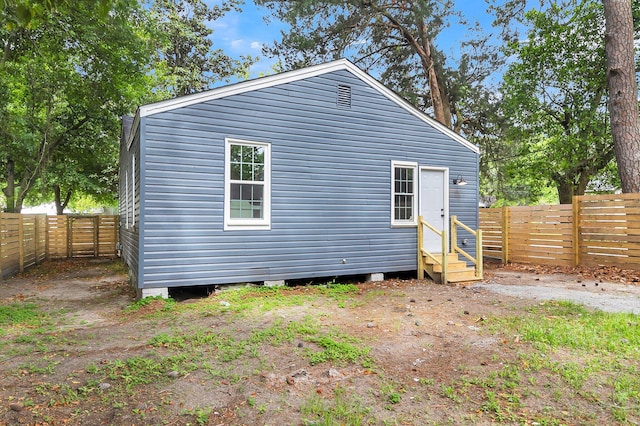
{"x":598,"y":273}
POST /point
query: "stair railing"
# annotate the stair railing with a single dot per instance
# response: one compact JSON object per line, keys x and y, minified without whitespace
{"x":477,"y":261}
{"x":422,"y":252}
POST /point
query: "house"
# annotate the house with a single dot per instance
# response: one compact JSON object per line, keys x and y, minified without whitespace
{"x":317,"y":172}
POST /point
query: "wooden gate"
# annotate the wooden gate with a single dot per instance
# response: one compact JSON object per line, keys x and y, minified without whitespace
{"x":83,"y":236}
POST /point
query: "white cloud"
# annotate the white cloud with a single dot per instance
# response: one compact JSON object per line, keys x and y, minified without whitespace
{"x":256,"y":45}
{"x":237,"y":43}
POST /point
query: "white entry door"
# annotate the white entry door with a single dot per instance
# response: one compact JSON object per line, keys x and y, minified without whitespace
{"x":434,"y":204}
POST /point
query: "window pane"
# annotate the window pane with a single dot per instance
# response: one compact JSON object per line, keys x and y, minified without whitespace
{"x":235,"y":171}
{"x":258,"y":155}
{"x":258,"y":173}
{"x":236,"y":153}
{"x":247,"y":172}
{"x":247,"y":201}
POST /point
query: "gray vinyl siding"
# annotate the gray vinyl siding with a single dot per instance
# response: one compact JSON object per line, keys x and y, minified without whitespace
{"x":331,"y":185}
{"x":130,"y":235}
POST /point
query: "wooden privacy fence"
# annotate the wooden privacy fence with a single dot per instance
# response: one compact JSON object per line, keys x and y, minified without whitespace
{"x":593,"y":230}
{"x":28,"y":239}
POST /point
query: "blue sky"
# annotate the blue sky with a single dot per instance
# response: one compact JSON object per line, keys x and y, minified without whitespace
{"x":244,"y":33}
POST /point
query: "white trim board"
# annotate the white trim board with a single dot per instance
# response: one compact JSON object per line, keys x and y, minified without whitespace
{"x":290,"y":76}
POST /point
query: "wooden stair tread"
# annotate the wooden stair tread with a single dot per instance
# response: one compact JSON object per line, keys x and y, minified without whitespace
{"x":466,"y":275}
{"x":457,"y":270}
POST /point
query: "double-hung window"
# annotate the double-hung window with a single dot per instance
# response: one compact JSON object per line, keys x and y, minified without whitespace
{"x":403,"y":193}
{"x":247,"y":203}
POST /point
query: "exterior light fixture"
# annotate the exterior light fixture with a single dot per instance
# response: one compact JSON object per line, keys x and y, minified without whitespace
{"x":459,"y":181}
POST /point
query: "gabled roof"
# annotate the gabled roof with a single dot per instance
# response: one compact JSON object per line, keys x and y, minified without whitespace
{"x":290,"y":76}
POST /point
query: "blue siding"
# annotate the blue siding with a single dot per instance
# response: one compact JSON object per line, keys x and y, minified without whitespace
{"x":130,"y":235}
{"x":331,"y":181}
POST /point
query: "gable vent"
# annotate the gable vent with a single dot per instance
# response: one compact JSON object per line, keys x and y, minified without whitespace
{"x":344,"y":97}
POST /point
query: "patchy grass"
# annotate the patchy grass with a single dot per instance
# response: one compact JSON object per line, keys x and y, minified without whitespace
{"x":21,"y":315}
{"x":338,"y":348}
{"x":333,"y":346}
{"x":342,"y":409}
{"x":25,"y":327}
{"x":565,"y":351}
{"x":393,"y":353}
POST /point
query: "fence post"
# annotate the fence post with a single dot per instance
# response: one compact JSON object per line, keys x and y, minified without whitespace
{"x":96,"y":235}
{"x":35,"y":238}
{"x":116,"y":235}
{"x":505,"y":235}
{"x":576,"y":229}
{"x":69,"y":223}
{"x":46,"y":237}
{"x":21,"y":243}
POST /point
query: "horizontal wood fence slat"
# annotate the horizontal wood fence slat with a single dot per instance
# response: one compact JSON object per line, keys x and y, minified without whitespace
{"x":594,"y":230}
{"x":28,"y":239}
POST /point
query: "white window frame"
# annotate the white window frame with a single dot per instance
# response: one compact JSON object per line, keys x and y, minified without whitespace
{"x":405,"y":165}
{"x":263,"y":223}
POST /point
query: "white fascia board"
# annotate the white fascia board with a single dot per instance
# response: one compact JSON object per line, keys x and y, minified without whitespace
{"x":242,"y":87}
{"x":291,"y":76}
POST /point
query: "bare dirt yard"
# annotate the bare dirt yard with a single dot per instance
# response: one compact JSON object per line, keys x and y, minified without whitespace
{"x":77,"y":349}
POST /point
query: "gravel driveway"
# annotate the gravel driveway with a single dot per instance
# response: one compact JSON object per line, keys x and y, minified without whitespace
{"x":598,"y":294}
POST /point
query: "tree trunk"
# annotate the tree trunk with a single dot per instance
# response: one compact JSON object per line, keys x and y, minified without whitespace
{"x":567,"y":188}
{"x":60,"y":205}
{"x":9,"y":191}
{"x":565,"y":191}
{"x":623,"y":91}
{"x":442,"y":114}
{"x":422,"y":46}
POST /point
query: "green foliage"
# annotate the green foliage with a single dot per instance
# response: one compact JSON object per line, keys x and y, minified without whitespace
{"x":65,"y":83}
{"x":16,"y":14}
{"x":556,"y":98}
{"x":187,"y":62}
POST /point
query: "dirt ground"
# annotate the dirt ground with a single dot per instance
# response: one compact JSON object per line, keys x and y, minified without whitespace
{"x":423,"y":337}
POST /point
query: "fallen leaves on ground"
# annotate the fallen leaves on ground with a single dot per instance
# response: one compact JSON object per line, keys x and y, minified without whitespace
{"x":598,"y":273}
